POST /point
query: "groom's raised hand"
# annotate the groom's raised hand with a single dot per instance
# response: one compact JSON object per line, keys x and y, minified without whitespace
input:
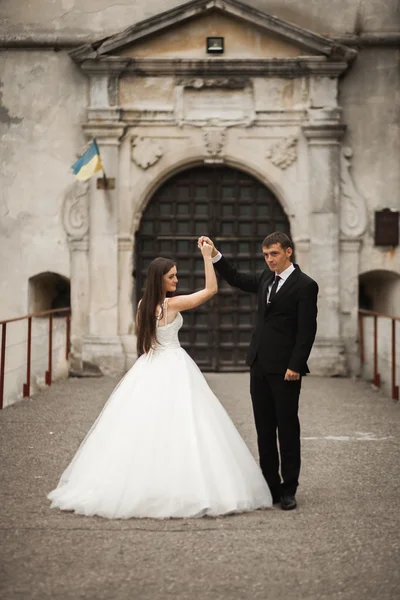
{"x":204,"y":239}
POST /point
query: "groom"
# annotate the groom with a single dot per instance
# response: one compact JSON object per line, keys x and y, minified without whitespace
{"x":277,"y":356}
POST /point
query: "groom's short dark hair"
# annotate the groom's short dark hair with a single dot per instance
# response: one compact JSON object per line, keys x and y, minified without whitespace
{"x":278,"y":237}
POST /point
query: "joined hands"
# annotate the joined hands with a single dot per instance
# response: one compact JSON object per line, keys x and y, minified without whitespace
{"x":206,"y":249}
{"x":203,"y":239}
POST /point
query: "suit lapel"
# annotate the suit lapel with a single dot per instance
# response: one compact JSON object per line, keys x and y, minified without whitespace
{"x":267,"y":283}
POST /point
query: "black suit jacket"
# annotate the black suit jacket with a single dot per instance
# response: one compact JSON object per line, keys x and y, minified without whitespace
{"x":286,"y":328}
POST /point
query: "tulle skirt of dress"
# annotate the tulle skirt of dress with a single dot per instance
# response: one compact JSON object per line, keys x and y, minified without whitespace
{"x":163,"y":446}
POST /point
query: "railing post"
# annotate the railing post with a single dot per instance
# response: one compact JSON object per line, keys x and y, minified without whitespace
{"x":26,"y":388}
{"x":377,"y":377}
{"x":395,"y":388}
{"x":2,"y":363}
{"x":68,"y":334}
{"x":48,"y":373}
{"x":361,"y":327}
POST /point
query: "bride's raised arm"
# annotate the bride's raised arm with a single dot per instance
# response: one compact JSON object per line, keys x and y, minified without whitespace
{"x":188,"y":301}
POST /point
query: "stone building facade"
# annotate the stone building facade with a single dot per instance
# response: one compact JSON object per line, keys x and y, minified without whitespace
{"x":294,"y":126}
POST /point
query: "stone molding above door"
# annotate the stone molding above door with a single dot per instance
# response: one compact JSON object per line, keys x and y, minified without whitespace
{"x":121,"y":57}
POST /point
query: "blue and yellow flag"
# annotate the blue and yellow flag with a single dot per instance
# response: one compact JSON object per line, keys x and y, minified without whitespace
{"x":88,"y":164}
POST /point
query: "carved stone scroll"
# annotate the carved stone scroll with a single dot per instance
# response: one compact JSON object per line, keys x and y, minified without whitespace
{"x":146,"y":152}
{"x":283,"y":153}
{"x":353,"y":212}
{"x":75,"y":211}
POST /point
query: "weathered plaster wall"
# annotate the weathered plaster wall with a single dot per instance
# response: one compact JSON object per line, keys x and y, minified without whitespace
{"x":42,"y":108}
{"x":147,"y":92}
{"x":370,"y":97}
{"x":103,"y":17}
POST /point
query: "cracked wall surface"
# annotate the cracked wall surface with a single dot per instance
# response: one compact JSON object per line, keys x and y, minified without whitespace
{"x":370,"y":97}
{"x":104,"y":17}
{"x":42,"y":107}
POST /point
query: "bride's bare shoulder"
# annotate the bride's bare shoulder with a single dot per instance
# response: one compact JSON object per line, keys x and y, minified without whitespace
{"x":172,"y":303}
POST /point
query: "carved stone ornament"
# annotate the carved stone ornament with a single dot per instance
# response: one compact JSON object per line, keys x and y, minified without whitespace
{"x":283,"y":153}
{"x":214,"y":140}
{"x":231,"y":83}
{"x":75,"y":211}
{"x":146,"y":152}
{"x":353,"y":212}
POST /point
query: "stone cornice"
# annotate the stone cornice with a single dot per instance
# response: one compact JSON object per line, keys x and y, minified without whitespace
{"x":106,"y":133}
{"x":57,"y":41}
{"x":125,"y":242}
{"x":78,"y":245}
{"x":324,"y":131}
{"x":271,"y":67}
{"x":373,"y":39}
{"x":350,"y":244}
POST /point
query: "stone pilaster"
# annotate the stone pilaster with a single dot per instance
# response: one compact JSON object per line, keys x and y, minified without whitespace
{"x":79,"y":260}
{"x":302,"y":253}
{"x":125,"y":292}
{"x":103,"y":345}
{"x":353,"y":223}
{"x":328,"y":356}
{"x":350,"y":262}
{"x":75,"y":217}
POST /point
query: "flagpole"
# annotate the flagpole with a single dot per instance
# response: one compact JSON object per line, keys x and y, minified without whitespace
{"x":105,"y":179}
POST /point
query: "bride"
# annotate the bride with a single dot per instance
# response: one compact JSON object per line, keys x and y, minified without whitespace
{"x":163,"y":445}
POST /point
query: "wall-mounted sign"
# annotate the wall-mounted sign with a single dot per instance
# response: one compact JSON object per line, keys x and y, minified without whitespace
{"x":387,"y":227}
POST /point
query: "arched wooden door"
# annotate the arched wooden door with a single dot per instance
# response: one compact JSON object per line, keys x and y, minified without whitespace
{"x":237,"y":212}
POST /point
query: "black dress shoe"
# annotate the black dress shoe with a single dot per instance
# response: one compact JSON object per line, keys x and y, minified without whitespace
{"x":288,"y":502}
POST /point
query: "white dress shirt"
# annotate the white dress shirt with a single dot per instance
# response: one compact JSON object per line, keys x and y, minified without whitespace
{"x":216,"y":258}
{"x":283,"y":276}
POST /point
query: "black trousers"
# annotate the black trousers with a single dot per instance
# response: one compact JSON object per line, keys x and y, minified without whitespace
{"x":275,"y":406}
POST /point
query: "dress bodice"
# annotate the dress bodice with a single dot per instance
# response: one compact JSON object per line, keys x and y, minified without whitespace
{"x":167,"y":335}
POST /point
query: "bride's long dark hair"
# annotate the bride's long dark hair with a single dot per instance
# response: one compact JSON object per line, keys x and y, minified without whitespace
{"x":152,"y":297}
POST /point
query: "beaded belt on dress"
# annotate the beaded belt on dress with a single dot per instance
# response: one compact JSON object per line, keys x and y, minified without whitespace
{"x":161,"y":347}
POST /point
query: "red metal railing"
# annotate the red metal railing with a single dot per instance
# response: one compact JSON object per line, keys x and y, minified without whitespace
{"x":377,"y":377}
{"x":48,"y":373}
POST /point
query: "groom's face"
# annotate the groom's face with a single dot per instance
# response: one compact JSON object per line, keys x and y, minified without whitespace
{"x":277,"y":258}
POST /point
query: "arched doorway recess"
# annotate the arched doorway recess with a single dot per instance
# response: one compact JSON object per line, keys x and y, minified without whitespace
{"x":237,"y":211}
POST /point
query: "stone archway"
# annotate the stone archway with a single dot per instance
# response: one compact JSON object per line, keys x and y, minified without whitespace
{"x":378,"y":290}
{"x":238,"y":211}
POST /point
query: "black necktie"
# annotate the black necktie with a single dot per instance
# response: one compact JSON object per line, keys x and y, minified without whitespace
{"x":274,"y":288}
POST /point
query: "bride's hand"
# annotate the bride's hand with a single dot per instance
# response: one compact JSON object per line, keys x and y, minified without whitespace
{"x":203,"y":239}
{"x":206,"y":250}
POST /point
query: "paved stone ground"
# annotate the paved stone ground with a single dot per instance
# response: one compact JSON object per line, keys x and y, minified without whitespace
{"x":342,"y":542}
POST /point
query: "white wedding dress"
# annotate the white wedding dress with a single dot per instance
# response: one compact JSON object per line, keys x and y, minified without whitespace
{"x":163,"y":446}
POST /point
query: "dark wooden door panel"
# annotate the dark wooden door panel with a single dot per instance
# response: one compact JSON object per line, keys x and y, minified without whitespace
{"x":237,"y":211}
